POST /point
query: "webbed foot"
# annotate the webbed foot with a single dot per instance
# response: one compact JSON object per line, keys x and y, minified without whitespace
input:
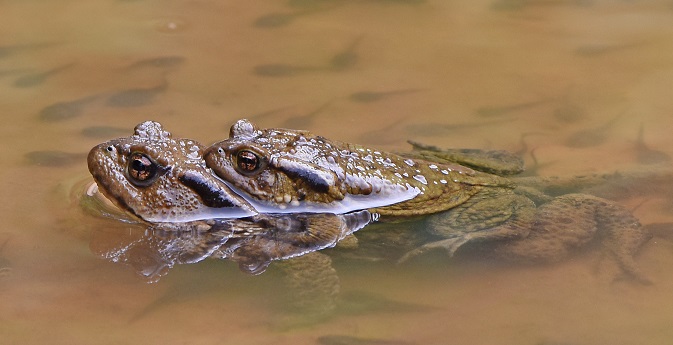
{"x":449,"y":244}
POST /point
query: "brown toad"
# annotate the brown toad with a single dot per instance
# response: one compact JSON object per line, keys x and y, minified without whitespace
{"x":161,"y":179}
{"x":286,"y":170}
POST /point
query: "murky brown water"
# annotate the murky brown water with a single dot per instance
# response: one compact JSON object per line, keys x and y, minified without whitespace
{"x":570,"y":81}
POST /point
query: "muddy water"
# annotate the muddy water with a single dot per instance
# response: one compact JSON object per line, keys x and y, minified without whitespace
{"x":569,"y":84}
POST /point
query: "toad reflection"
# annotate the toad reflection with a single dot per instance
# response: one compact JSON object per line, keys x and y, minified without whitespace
{"x":252,"y":242}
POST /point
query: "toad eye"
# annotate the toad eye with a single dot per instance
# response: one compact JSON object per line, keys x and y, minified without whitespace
{"x":142,"y":170}
{"x":248,"y":162}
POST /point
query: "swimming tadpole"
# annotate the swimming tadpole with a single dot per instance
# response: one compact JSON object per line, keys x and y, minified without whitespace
{"x":135,"y":97}
{"x":646,"y":155}
{"x":374,"y":96}
{"x":54,"y":158}
{"x":305,"y":121}
{"x":35,"y":79}
{"x":591,"y":136}
{"x":163,"y":62}
{"x":284,"y":70}
{"x":60,"y":111}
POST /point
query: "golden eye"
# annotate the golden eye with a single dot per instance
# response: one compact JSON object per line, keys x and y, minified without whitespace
{"x":142,"y":170}
{"x":248,"y":162}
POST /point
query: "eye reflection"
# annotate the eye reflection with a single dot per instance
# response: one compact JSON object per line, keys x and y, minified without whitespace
{"x":247,"y":162}
{"x":142,"y":170}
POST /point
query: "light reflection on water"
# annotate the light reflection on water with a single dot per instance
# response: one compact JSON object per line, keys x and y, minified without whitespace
{"x":568,"y":84}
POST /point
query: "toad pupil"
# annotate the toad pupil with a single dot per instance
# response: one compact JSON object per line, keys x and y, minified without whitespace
{"x":247,"y":161}
{"x":141,"y":167}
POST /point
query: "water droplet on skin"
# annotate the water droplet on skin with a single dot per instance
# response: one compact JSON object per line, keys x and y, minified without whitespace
{"x":421,"y":179}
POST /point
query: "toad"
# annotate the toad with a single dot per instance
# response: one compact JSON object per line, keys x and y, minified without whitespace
{"x":285,"y":170}
{"x":161,"y":179}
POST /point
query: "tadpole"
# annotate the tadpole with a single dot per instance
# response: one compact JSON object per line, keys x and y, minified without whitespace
{"x":305,"y":121}
{"x":439,"y":129}
{"x":347,"y":58}
{"x":569,"y":113}
{"x":278,"y":19}
{"x":5,"y":264}
{"x":54,"y":158}
{"x":65,"y":110}
{"x":283,"y":70}
{"x":508,"y":109}
{"x":373,"y":96}
{"x":38,"y":78}
{"x":646,"y":155}
{"x":591,"y":50}
{"x":261,"y":115}
{"x":102,"y":132}
{"x":135,"y":97}
{"x":9,"y":50}
{"x":338,"y":62}
{"x":163,"y":62}
{"x":591,"y":136}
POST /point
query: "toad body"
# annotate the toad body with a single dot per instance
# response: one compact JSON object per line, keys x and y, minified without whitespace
{"x":289,"y":170}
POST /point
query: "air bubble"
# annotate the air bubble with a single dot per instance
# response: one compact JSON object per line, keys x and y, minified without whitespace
{"x":170,"y":25}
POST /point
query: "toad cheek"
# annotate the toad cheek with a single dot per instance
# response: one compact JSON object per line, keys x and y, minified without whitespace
{"x":97,"y":158}
{"x":216,"y":159}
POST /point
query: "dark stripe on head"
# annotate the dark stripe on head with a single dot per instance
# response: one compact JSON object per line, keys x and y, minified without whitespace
{"x":212,"y":196}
